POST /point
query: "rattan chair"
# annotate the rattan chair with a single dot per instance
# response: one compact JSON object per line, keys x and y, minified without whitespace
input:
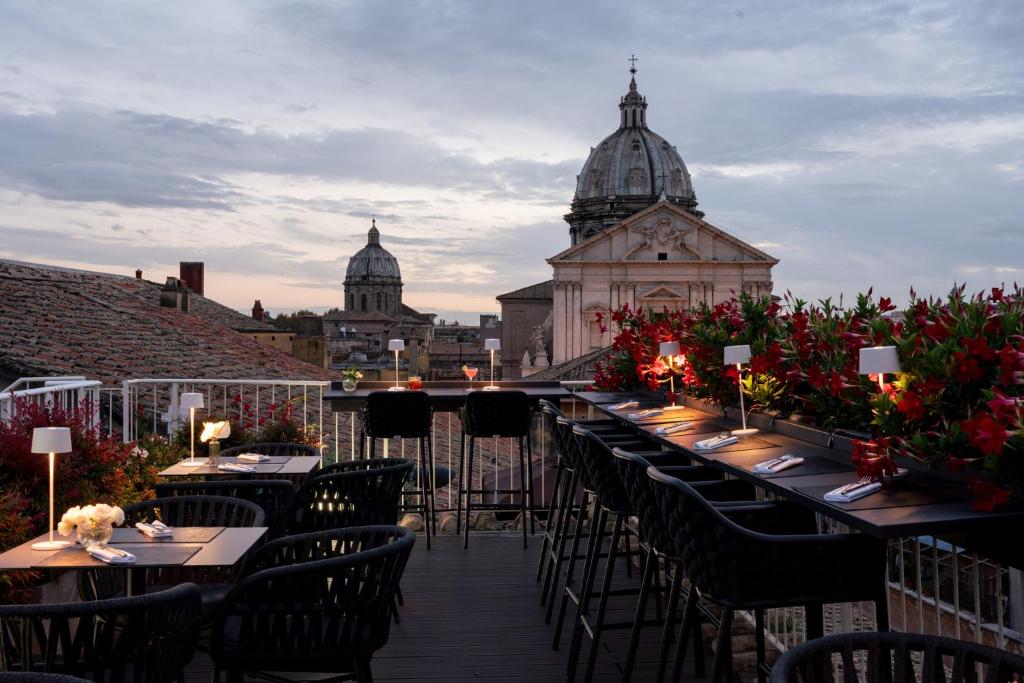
{"x":500,"y":414}
{"x":272,"y":449}
{"x":310,"y":614}
{"x":751,"y":560}
{"x":355,"y":493}
{"x":405,"y":415}
{"x":895,"y":657}
{"x":36,"y":677}
{"x":141,"y":639}
{"x":274,"y":496}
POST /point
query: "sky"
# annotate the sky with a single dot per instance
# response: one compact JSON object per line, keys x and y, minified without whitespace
{"x":862,"y":143}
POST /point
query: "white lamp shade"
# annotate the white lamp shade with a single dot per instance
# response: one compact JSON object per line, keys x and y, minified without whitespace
{"x":51,"y":440}
{"x":192,"y":399}
{"x":737,"y":355}
{"x":396,"y":345}
{"x":879,"y":359}
{"x":492,"y":344}
{"x":668,"y":349}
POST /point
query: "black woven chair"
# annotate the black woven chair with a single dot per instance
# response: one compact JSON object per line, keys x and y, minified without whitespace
{"x":274,"y":496}
{"x":496,"y":414}
{"x":313,"y":615}
{"x":355,"y":493}
{"x":272,"y":449}
{"x":35,"y":677}
{"x":895,"y":657}
{"x":141,"y":639}
{"x":177,"y":511}
{"x":745,"y":559}
{"x":405,"y":415}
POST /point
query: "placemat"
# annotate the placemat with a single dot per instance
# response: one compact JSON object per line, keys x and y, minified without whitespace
{"x":745,"y":443}
{"x":274,"y":460}
{"x":812,"y":464}
{"x":900,"y":494}
{"x":185,"y":534}
{"x":146,"y":555}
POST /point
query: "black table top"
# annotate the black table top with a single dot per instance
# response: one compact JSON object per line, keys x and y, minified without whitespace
{"x":447,"y":395}
{"x":915,"y":505}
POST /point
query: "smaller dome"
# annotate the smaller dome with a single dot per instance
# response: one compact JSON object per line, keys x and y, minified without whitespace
{"x":373,"y":263}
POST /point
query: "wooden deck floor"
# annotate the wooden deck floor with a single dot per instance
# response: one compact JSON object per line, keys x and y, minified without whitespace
{"x":475,"y":615}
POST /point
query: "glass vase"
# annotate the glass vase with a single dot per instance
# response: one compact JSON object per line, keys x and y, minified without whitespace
{"x":93,"y":535}
{"x":348,"y":384}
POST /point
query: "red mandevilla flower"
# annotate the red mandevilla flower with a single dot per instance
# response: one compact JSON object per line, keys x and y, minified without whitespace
{"x":911,"y":406}
{"x":986,"y":434}
{"x":987,"y":495}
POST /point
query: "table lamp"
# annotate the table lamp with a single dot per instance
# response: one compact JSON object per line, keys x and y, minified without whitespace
{"x":738,"y":355}
{"x":669,"y":350}
{"x":492,"y":345}
{"x":51,"y":440}
{"x":396,"y":345}
{"x":878,"y":360}
{"x":191,"y":400}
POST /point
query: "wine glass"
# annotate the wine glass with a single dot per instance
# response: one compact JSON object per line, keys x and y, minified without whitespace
{"x":470,"y":375}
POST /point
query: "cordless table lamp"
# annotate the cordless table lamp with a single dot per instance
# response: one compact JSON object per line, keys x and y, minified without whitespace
{"x":51,"y":440}
{"x":396,"y":345}
{"x":739,"y":355}
{"x":191,"y":400}
{"x":492,"y":345}
{"x":669,"y":350}
{"x":878,"y":360}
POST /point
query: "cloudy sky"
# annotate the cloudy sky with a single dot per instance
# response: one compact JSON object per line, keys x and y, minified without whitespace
{"x":861,"y":143}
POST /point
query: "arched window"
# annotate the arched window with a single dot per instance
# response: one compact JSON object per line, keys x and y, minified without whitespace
{"x":387,"y":302}
{"x":362,"y":302}
{"x":351,"y":302}
{"x":378,"y":301}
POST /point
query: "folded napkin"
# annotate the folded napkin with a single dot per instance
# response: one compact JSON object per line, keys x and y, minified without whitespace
{"x":778,"y":464}
{"x":105,"y":553}
{"x":253,"y":457}
{"x":650,"y":412}
{"x":715,"y":442}
{"x":851,"y":492}
{"x":155,"y":530}
{"x":673,"y":429}
{"x":236,"y":467}
{"x":625,"y":405}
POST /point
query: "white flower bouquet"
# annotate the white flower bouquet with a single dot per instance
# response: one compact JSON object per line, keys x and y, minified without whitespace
{"x":93,"y":523}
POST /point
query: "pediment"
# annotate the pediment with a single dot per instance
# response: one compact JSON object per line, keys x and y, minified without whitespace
{"x":663,"y":232}
{"x":661,"y":292}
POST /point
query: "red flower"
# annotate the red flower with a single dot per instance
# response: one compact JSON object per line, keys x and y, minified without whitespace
{"x":978,"y":347}
{"x":929,"y":388}
{"x":966,"y":369}
{"x":885,"y":304}
{"x":1005,"y":408}
{"x":987,"y":496}
{"x":911,"y":406}
{"x":985,"y":434}
{"x":870,"y":461}
{"x":1010,"y":361}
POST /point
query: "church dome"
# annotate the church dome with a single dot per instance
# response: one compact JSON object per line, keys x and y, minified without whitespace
{"x":634,"y":161}
{"x":373,"y":263}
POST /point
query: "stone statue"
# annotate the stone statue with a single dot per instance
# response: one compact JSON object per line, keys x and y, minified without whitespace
{"x":537,"y":339}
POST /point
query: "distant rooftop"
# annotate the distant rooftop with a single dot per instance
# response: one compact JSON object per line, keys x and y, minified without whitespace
{"x":541,"y":290}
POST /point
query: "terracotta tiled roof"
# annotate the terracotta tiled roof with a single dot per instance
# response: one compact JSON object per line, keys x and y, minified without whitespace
{"x":56,"y":321}
{"x":577,"y":369}
{"x":541,"y":290}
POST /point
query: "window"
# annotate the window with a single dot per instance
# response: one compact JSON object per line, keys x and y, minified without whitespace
{"x":662,"y":256}
{"x":351,"y":301}
{"x":362,"y":302}
{"x":378,"y":301}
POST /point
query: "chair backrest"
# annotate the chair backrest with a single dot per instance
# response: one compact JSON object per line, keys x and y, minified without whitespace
{"x":316,"y":615}
{"x":355,"y":493}
{"x":601,"y":473}
{"x":404,"y":414}
{"x":37,"y":677}
{"x":497,"y":413}
{"x":196,"y":511}
{"x":890,"y":658}
{"x":318,"y":545}
{"x":565,"y":441}
{"x":274,"y":496}
{"x":272,"y":449}
{"x":142,"y":639}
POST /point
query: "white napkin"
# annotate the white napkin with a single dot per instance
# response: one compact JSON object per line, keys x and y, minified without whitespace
{"x":236,"y":467}
{"x":715,"y":442}
{"x":673,"y":429}
{"x":625,"y":405}
{"x":253,"y":457}
{"x":851,"y":492}
{"x":111,"y":555}
{"x":778,"y":464}
{"x":155,"y":530}
{"x":650,"y":412}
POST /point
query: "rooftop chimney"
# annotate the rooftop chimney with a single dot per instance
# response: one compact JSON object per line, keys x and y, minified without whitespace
{"x":170,"y":293}
{"x":191,"y":273}
{"x":138,"y":273}
{"x":257,"y":311}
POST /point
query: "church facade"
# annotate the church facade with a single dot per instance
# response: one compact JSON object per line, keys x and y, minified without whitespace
{"x":636,"y":238}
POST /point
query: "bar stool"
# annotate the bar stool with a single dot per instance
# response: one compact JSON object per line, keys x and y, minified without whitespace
{"x":500,"y":414}
{"x":753,"y":560}
{"x":405,"y":415}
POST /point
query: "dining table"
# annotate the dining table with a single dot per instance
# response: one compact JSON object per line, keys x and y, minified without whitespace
{"x":186,"y":547}
{"x":295,"y":468}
